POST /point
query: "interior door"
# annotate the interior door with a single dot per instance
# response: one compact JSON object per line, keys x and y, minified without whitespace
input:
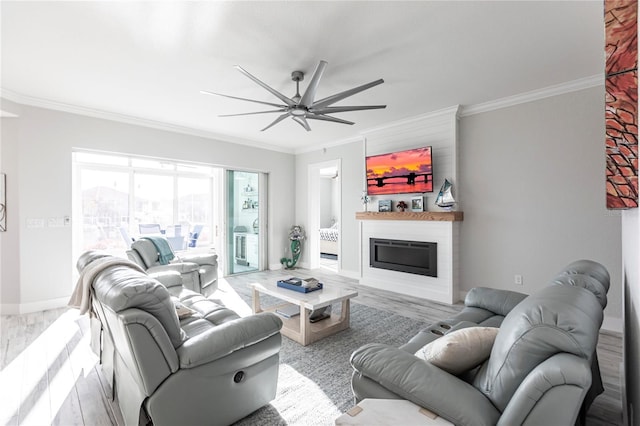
{"x":243,"y":224}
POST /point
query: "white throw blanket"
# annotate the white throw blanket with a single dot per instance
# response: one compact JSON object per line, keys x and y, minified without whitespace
{"x":81,"y":296}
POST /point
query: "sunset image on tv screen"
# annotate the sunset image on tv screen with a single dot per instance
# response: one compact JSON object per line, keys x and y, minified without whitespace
{"x":400,"y":172}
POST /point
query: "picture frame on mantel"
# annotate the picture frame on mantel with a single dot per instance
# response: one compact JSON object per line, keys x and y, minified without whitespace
{"x":384,"y":205}
{"x":417,"y":204}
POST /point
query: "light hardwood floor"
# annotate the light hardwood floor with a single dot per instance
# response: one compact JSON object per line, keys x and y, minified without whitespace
{"x":49,"y":375}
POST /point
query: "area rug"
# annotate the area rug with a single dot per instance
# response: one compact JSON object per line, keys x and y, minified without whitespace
{"x":314,"y":383}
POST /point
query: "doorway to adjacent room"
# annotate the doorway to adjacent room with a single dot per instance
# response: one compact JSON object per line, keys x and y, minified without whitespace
{"x":324,"y":215}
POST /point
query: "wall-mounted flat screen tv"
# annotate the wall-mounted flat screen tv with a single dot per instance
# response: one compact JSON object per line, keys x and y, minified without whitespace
{"x":400,"y":172}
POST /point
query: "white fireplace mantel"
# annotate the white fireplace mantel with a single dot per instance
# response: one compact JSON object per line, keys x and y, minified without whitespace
{"x":439,"y":227}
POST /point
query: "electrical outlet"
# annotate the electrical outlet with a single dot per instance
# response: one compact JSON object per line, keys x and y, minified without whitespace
{"x":517,"y":279}
{"x":35,"y":222}
{"x":55,"y":222}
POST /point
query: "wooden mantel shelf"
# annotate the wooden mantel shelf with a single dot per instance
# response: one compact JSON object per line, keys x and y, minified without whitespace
{"x":433,"y":216}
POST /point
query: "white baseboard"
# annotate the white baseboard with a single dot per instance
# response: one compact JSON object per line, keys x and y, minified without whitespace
{"x":26,"y":308}
{"x":275,"y":266}
{"x":9,"y":309}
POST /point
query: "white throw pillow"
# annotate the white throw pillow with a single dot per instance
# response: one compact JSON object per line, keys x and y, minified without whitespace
{"x":460,"y":350}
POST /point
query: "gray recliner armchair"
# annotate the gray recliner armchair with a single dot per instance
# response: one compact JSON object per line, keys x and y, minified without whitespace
{"x":542,"y":368}
{"x":199,"y":271}
{"x":173,"y":357}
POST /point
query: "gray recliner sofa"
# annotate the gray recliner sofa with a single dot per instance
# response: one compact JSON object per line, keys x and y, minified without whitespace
{"x":199,"y":271}
{"x":542,"y":368}
{"x":172,"y":356}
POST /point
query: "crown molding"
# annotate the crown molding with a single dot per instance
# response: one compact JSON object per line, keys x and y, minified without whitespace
{"x":534,"y":95}
{"x":7,"y":114}
{"x":138,"y":121}
{"x":442,"y":114}
{"x":431,"y":123}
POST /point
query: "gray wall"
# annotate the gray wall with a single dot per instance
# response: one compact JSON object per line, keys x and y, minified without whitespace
{"x":532,"y":187}
{"x":631,"y":274}
{"x":36,"y":155}
{"x":9,"y":131}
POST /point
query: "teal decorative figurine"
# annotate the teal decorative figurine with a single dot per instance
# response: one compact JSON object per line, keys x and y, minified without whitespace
{"x":296,"y":235}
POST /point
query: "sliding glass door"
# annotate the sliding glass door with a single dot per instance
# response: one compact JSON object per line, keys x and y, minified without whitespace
{"x":121,"y":198}
{"x":244,"y":207}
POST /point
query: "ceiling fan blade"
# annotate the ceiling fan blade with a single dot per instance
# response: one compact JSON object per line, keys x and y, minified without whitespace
{"x":277,"y":94}
{"x":253,"y":113}
{"x":339,"y":96}
{"x":331,"y":110}
{"x":302,"y":121}
{"x":242,"y":99}
{"x":276,"y":121}
{"x":328,"y":118}
{"x":310,"y":93}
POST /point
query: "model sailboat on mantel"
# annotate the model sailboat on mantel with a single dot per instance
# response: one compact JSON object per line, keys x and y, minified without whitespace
{"x":445,"y":197}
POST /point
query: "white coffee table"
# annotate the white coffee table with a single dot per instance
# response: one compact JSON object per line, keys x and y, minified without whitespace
{"x":298,"y":328}
{"x":385,"y":412}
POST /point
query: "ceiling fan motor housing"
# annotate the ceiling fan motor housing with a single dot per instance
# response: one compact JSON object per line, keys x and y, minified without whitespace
{"x":302,"y":108}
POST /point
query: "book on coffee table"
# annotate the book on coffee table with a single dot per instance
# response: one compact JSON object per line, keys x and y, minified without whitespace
{"x":288,"y":311}
{"x":310,"y":283}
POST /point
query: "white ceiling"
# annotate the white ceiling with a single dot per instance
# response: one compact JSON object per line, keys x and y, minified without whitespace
{"x":150,"y":60}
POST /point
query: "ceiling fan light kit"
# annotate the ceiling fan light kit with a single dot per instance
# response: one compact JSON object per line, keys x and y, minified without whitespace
{"x":303,"y":108}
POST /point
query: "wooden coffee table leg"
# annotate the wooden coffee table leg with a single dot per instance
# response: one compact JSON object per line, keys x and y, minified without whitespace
{"x":345,"y":313}
{"x":255,"y":301}
{"x":305,"y":326}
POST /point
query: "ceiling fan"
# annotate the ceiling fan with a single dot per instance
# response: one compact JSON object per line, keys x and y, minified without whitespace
{"x":305,"y":107}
